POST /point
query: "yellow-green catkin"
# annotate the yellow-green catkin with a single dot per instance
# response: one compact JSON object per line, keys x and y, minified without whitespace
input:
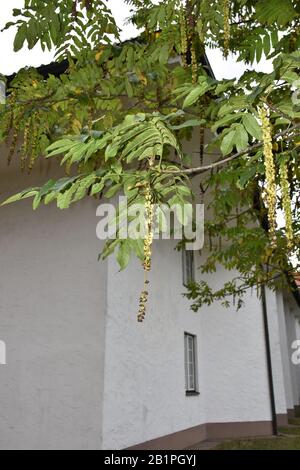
{"x":194,"y":65}
{"x":269,"y":172}
{"x":148,"y":241}
{"x":35,"y":122}
{"x":184,"y":37}
{"x":286,"y":203}
{"x":10,"y":115}
{"x":226,"y":18}
{"x":149,"y":209}
{"x":14,"y":142}
{"x":26,"y":144}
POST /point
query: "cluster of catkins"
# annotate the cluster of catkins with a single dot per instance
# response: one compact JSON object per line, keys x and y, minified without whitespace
{"x":286,"y":203}
{"x":183,"y":36}
{"x":188,"y":36}
{"x":12,"y":123}
{"x":188,"y":44}
{"x":29,"y":149}
{"x":269,"y":171}
{"x":148,"y":241}
{"x":271,"y":189}
{"x":226,"y":17}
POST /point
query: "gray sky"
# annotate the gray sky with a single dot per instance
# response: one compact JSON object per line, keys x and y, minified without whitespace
{"x":11,"y":61}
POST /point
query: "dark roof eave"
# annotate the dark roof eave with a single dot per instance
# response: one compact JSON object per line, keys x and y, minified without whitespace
{"x":58,"y":68}
{"x":55,"y":68}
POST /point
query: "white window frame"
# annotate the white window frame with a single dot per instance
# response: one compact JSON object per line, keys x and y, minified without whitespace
{"x":190,"y":363}
{"x":188,"y":266}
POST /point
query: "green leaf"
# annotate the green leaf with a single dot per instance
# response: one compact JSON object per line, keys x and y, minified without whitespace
{"x":97,"y":188}
{"x":184,"y":190}
{"x":193,"y":96}
{"x":246,"y":176}
{"x":123,"y":256}
{"x":225,"y":121}
{"x":138,"y":247}
{"x":274,"y":37}
{"x":113,"y":190}
{"x":228,"y":143}
{"x":259,"y":49}
{"x":20,"y":37}
{"x":129,"y":88}
{"x":164,"y":54}
{"x":275,"y":11}
{"x":241,"y":138}
{"x":60,"y":146}
{"x":50,"y":197}
{"x":36,"y":201}
{"x":189,"y":123}
{"x":267,"y":44}
{"x":47,"y":188}
{"x":252,"y":126}
{"x":22,"y":195}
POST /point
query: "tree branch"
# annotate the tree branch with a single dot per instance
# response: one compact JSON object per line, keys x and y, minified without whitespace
{"x":204,"y":168}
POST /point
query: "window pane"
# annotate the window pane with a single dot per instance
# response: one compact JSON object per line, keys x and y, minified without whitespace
{"x":190,"y":362}
{"x":187,"y":266}
{"x":185,"y":363}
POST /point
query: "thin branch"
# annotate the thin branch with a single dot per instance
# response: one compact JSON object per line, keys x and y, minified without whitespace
{"x":278,"y":111}
{"x":204,"y":168}
{"x":244,"y":287}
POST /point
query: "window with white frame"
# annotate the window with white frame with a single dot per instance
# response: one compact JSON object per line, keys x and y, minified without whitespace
{"x":188,"y":266}
{"x":190,"y":356}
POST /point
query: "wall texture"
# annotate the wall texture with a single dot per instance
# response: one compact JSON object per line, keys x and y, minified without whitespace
{"x":285,"y":351}
{"x":292,"y":316}
{"x":83,"y":374}
{"x":233,"y":381}
{"x":52,"y":317}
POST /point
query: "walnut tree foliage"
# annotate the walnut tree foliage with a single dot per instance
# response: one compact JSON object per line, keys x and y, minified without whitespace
{"x":117,"y":118}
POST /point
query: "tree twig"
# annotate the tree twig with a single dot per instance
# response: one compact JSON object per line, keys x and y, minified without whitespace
{"x":204,"y":168}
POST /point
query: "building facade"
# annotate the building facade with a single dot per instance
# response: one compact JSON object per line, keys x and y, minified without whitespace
{"x":81,"y":373}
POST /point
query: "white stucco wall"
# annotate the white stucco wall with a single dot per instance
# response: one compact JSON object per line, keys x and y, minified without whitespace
{"x":63,"y":388}
{"x":285,"y":351}
{"x":232,"y":366}
{"x":235,"y":359}
{"x":52,"y":317}
{"x":144,"y":394}
{"x":298,"y":365}
{"x":233,"y":381}
{"x":276,"y":351}
{"x":292,"y":313}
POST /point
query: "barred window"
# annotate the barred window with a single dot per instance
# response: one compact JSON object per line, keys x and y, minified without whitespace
{"x":188,"y":266}
{"x":190,"y":354}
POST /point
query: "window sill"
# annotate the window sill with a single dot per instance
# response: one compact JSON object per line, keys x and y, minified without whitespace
{"x":191,"y":393}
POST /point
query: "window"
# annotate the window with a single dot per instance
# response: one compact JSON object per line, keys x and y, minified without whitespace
{"x":190,"y":356}
{"x":188,"y":266}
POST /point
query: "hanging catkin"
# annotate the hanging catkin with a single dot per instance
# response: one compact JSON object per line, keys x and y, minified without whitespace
{"x":226,"y":17}
{"x":14,"y":142}
{"x":26,"y":143}
{"x":10,"y":115}
{"x":194,"y":65}
{"x":183,"y":36}
{"x":148,"y":241}
{"x":286,"y":203}
{"x":35,"y":125}
{"x":269,"y":172}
